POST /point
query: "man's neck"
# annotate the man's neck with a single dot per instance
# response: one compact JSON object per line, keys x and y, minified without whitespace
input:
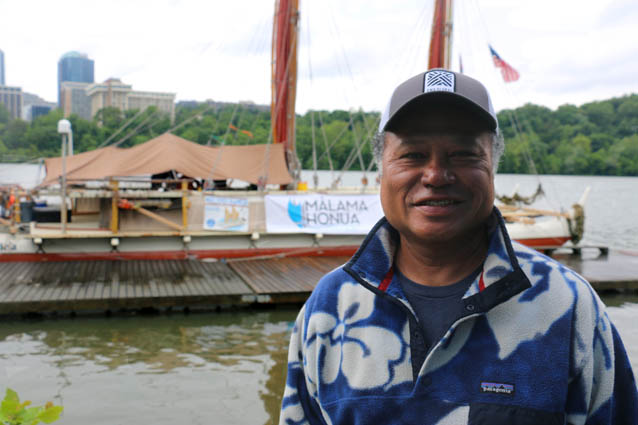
{"x":440,"y":264}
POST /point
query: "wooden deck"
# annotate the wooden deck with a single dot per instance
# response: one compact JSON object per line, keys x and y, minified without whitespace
{"x":114,"y":285}
{"x":614,"y":270}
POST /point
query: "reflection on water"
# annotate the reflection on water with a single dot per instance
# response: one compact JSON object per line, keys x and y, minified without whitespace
{"x":215,"y":368}
{"x":226,"y":368}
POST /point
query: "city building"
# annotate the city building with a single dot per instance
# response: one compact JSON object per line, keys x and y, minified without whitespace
{"x":31,"y":112}
{"x":74,"y":100}
{"x":74,"y":66}
{"x":34,"y":106}
{"x":11,"y":98}
{"x":114,"y":93}
{"x":2,"y":81}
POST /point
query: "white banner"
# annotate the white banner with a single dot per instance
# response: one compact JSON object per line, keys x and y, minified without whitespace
{"x":230,"y":214}
{"x":316,"y":213}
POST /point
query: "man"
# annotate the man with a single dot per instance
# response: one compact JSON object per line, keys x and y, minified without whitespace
{"x":439,"y":318}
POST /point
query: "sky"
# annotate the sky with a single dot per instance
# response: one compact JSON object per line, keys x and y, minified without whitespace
{"x":352,"y":53}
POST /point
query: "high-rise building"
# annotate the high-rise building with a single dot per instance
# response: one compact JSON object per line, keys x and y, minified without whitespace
{"x":31,"y":112}
{"x":34,"y":106}
{"x":2,"y":83}
{"x":11,"y":98}
{"x":74,"y":100}
{"x":114,"y":93}
{"x":74,"y":66}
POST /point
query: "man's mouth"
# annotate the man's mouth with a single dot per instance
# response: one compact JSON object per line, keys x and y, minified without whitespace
{"x":438,"y":203}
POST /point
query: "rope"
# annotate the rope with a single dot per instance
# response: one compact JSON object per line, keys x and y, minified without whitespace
{"x":315,"y":176}
{"x":119,"y":130}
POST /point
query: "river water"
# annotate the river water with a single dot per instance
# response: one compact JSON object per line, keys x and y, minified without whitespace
{"x":229,"y":367}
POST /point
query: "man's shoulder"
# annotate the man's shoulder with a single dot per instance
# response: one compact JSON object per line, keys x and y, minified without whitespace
{"x":539,"y":264}
{"x":549,"y":275}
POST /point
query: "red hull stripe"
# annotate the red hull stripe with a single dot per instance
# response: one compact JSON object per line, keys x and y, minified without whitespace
{"x":545,"y":242}
{"x":386,"y":280}
{"x":224,"y":253}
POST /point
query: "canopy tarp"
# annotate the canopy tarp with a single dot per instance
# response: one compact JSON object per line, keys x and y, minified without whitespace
{"x":169,"y":152}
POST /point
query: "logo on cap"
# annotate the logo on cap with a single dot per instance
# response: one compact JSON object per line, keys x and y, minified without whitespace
{"x":438,"y":81}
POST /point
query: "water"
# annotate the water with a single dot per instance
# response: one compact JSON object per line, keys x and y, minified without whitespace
{"x":221,"y":368}
{"x":229,"y":367}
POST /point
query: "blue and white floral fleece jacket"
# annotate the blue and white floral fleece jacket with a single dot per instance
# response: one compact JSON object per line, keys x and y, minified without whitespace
{"x":532,"y":345}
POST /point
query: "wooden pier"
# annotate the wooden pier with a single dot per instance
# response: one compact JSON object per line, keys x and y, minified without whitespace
{"x":123,"y":285}
{"x":112,"y":285}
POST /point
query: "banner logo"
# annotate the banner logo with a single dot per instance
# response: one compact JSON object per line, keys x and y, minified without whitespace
{"x":330,"y":214}
{"x":326,"y":212}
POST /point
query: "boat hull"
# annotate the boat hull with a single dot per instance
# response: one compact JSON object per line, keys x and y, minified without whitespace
{"x":543,"y":235}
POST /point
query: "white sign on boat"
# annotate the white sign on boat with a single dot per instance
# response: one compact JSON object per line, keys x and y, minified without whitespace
{"x":317,"y":213}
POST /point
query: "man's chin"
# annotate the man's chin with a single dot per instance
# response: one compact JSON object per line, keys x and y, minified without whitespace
{"x":442,"y":233}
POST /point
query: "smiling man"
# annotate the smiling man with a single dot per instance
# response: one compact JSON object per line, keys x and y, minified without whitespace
{"x":439,"y":318}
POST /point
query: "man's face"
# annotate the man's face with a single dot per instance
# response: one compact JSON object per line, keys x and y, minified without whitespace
{"x":437,"y":184}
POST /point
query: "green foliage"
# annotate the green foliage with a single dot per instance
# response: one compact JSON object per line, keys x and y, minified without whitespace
{"x":12,"y":412}
{"x":4,"y":114}
{"x":598,"y":138}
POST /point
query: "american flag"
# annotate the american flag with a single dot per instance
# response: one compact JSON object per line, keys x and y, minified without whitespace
{"x":509,"y":74}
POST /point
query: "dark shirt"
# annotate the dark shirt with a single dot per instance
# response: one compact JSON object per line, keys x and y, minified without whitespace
{"x":436,"y":307}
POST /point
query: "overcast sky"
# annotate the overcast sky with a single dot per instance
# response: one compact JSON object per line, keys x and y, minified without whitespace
{"x":352,"y":52}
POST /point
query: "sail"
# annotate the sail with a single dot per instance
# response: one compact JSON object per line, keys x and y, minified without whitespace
{"x":284,"y":74}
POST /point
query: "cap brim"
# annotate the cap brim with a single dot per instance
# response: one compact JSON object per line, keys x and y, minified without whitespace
{"x":433,"y":99}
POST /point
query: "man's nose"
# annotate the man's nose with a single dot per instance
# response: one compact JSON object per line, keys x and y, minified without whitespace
{"x":437,"y":172}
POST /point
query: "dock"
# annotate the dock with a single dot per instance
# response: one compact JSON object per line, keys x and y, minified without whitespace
{"x":116,"y":285}
{"x":125,"y":285}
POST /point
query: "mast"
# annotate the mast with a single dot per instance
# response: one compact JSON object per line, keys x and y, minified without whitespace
{"x":284,"y":77}
{"x":441,"y":39}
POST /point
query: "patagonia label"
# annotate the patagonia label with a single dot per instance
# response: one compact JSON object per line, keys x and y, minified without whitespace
{"x":497,"y":388}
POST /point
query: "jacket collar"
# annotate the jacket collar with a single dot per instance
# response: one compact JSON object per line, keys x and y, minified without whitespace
{"x":500,"y":279}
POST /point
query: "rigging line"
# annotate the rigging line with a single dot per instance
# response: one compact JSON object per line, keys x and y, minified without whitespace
{"x":232,"y":117}
{"x":354,"y":153}
{"x":341,"y":133}
{"x":221,"y":145}
{"x":327,"y":148}
{"x":308,"y":49}
{"x":238,"y":125}
{"x":527,"y":150}
{"x":112,"y":136}
{"x":26,"y":161}
{"x":523,"y":138}
{"x":315,"y":176}
{"x":405,"y":62}
{"x":135,"y":130}
{"x":358,"y":143}
{"x":482,"y":19}
{"x":217,"y":121}
{"x":421,"y":40}
{"x":186,"y":121}
{"x":372,"y":160}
